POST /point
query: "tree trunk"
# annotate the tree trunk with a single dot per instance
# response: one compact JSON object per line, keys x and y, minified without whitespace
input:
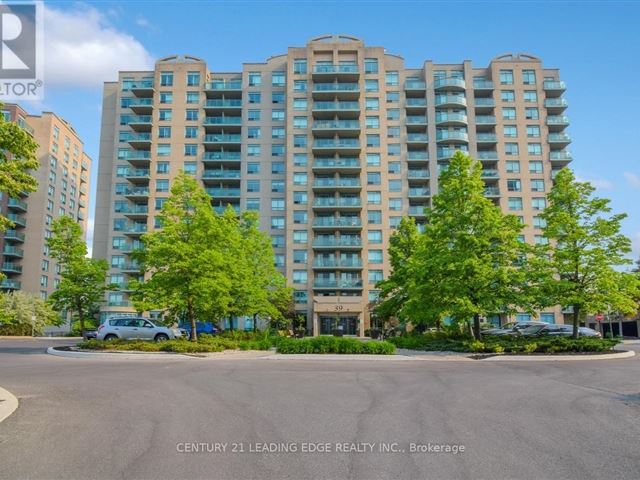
{"x":255,"y":323}
{"x":476,"y":326}
{"x":576,"y":318}
{"x":192,"y":321}
{"x":81,"y":318}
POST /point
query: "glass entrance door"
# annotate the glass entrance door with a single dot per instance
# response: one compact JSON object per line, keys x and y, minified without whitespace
{"x":347,"y":324}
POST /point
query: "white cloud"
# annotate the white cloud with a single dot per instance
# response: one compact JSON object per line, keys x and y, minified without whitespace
{"x":599,"y":183}
{"x":82,"y":49}
{"x":143,"y":22}
{"x":632,"y":179}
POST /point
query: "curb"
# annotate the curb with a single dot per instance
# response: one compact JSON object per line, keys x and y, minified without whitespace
{"x":558,"y":358}
{"x":117,"y":356}
{"x":8,"y":404}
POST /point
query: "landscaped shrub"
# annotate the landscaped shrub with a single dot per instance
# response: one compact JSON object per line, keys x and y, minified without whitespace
{"x":334,"y":345}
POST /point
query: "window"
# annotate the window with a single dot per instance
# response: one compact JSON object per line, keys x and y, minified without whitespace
{"x":253,"y":115}
{"x":299,"y":85}
{"x":277,"y":115}
{"x":393,"y":97}
{"x":278,"y":260}
{"x":512,"y":166}
{"x":370,"y":65}
{"x":535,"y":167}
{"x":299,"y":178}
{"x":371,"y":85}
{"x":511,"y":148}
{"x":253,"y":150}
{"x":166,"y":79}
{"x":514,"y":185}
{"x":547,"y":318}
{"x":515,"y":203}
{"x":529,"y":77}
{"x":533,"y":131}
{"x":190,"y":150}
{"x":253,"y":186}
{"x":373,"y":140}
{"x":278,"y":79}
{"x":506,"y":77}
{"x":299,"y":276}
{"x":254,"y":97}
{"x":373,"y":178}
{"x":277,"y":97}
{"x":300,"y":141}
{"x":374,"y":217}
{"x":277,"y":186}
{"x":300,"y":217}
{"x":299,"y":159}
{"x":537,"y":185}
{"x":393,"y":132}
{"x":395,"y":204}
{"x":165,"y":114}
{"x":372,"y":104}
{"x":164,"y":132}
{"x":300,"y":66}
{"x":394,"y":221}
{"x":162,"y":185}
{"x":191,"y":114}
{"x":393,"y":167}
{"x":253,"y":132}
{"x":539,"y":222}
{"x":375,"y":276}
{"x":510,"y":131}
{"x":166,"y":97}
{"x":538,"y":203}
{"x":375,"y":256}
{"x":300,"y":296}
{"x":393,"y":149}
{"x":190,"y":168}
{"x":299,"y":122}
{"x":534,"y":149}
{"x":391,"y":78}
{"x":300,"y":198}
{"x":372,"y":122}
{"x":255,"y":79}
{"x":300,"y":256}
{"x":395,"y":185}
{"x":162,"y":167}
{"x":277,"y":241}
{"x":300,"y":236}
{"x":277,"y":204}
{"x":373,"y":159}
{"x":278,"y":132}
{"x":374,"y":198}
{"x":299,"y":103}
{"x":374,"y":236}
{"x":277,"y":168}
{"x":277,"y":223}
{"x":393,"y":114}
{"x":193,"y":79}
{"x":531,"y":113}
{"x":541,"y":240}
{"x":508,"y":113}
{"x":277,"y":150}
{"x":507,"y":95}
{"x":530,"y":96}
{"x":163,"y":150}
{"x":253,"y":204}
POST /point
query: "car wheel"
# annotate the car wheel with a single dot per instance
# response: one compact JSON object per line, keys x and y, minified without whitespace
{"x":109,"y":337}
{"x":161,"y":337}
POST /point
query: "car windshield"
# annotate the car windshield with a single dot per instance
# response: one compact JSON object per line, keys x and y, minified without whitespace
{"x":509,"y":325}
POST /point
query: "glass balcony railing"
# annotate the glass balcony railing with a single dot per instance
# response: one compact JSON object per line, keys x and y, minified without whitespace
{"x":487,"y":137}
{"x":555,"y":102}
{"x":223,"y":120}
{"x":417,"y":210}
{"x":335,"y":69}
{"x":137,"y":192}
{"x":412,"y":173}
{"x":413,"y":155}
{"x":224,"y":192}
{"x":141,"y":84}
{"x":135,"y":137}
{"x":415,"y":85}
{"x":17,"y":219}
{"x":450,"y":100}
{"x":224,"y":85}
{"x":130,"y":267}
{"x":14,"y":235}
{"x":559,"y":138}
{"x":223,"y":138}
{"x":337,"y":202}
{"x":337,"y":222}
{"x":449,"y":83}
{"x":138,"y":173}
{"x":557,"y":120}
{"x":17,"y":204}
{"x":351,"y":162}
{"x":218,"y":103}
{"x":337,"y":283}
{"x":337,"y":143}
{"x":337,"y":242}
{"x":336,"y":87}
{"x":136,"y":119}
{"x":419,"y":192}
{"x":451,"y":117}
{"x":491,"y":192}
{"x":560,"y":156}
{"x":337,"y":263}
{"x":416,"y":120}
{"x":135,"y":228}
{"x":221,"y":174}
{"x":336,"y":106}
{"x":416,"y":102}
{"x":485,"y":119}
{"x":222,"y":156}
{"x":444,"y":135}
{"x":135,"y":209}
{"x":12,"y":251}
{"x":417,"y":137}
{"x":484,"y":102}
{"x":554,"y":85}
{"x":11,"y":267}
{"x":490,"y":173}
{"x":336,"y":182}
{"x":221,"y":209}
{"x":483,"y":85}
{"x":10,"y":284}
{"x":134,"y":155}
{"x":487,"y":155}
{"x":336,"y":124}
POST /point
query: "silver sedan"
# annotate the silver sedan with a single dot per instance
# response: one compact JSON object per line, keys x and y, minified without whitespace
{"x":135,"y":328}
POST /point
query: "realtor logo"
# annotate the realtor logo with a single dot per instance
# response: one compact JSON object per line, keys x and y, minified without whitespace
{"x":20,"y":50}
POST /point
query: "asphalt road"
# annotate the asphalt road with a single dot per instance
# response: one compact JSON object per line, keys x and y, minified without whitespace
{"x":103,"y":419}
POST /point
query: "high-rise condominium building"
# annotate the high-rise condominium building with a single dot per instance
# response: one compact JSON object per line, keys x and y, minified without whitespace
{"x":332,"y":143}
{"x":63,"y":189}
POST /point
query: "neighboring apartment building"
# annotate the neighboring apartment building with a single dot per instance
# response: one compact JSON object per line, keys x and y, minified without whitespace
{"x":63,"y":189}
{"x":332,"y":143}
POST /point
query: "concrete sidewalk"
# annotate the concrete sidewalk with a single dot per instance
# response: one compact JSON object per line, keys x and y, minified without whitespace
{"x":8,"y":403}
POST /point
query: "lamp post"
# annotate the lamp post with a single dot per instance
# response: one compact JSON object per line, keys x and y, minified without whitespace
{"x":33,"y":325}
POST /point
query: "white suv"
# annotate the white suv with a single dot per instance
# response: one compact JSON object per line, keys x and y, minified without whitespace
{"x":135,"y":328}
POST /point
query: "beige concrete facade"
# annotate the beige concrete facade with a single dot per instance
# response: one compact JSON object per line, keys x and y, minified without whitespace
{"x":63,"y":189}
{"x":333,"y":143}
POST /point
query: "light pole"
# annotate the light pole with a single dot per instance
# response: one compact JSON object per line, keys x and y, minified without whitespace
{"x":33,"y":325}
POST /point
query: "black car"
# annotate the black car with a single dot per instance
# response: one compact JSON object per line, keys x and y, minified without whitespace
{"x":90,"y":334}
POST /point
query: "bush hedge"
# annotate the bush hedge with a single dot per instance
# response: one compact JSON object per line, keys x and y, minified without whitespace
{"x":205,"y":343}
{"x":334,"y":345}
{"x":502,"y":344}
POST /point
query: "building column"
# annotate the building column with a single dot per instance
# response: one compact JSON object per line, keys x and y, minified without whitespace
{"x":316,"y":324}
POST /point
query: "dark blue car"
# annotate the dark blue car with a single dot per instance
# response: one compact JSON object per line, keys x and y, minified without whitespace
{"x":201,"y":327}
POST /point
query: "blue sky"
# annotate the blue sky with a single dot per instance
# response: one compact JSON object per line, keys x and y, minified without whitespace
{"x":595,"y":45}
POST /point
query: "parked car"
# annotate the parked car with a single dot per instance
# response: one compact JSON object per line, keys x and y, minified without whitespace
{"x":511,"y":328}
{"x":90,"y":334}
{"x":554,"y":330}
{"x":201,"y":327}
{"x":588,"y":332}
{"x":135,"y":328}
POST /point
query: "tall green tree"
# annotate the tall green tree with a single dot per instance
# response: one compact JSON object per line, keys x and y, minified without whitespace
{"x":394,"y":289}
{"x":467,"y":264}
{"x":187,"y":263}
{"x":23,"y":313}
{"x":82,"y":286}
{"x":585,"y":247}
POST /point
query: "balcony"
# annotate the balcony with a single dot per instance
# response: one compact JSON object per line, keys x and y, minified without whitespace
{"x":222,"y":86}
{"x":84,"y":165}
{"x":136,"y":157}
{"x":82,"y":203}
{"x":485,"y":121}
{"x":13,"y":236}
{"x":18,"y":220}
{"x":340,"y":164}
{"x":417,"y":210}
{"x":137,"y":193}
{"x":221,"y":209}
{"x":223,"y":139}
{"x":341,"y":145}
{"x":224,"y":192}
{"x":138,"y":175}
{"x":130,"y":267}
{"x":417,"y":156}
{"x":445,"y":118}
{"x":344,"y":91}
{"x":342,"y":284}
{"x":561,"y":157}
{"x":554,"y":88}
{"x":487,"y":155}
{"x":419,"y":192}
{"x":232,"y":105}
{"x":333,"y":263}
{"x":332,"y":127}
{"x":135,"y":211}
{"x":337,"y":242}
{"x":489,"y":173}
{"x":224,"y":157}
{"x":221,"y":174}
{"x":486,"y":138}
{"x":482,"y":103}
{"x":17,"y":205}
{"x":557,"y":123}
{"x":11,"y":251}
{"x":8,"y":284}
{"x":559,"y":139}
{"x":482,"y":85}
{"x":417,"y":104}
{"x":340,"y":72}
{"x":491,"y":192}
{"x":140,"y":140}
{"x":335,"y":203}
{"x":555,"y":105}
{"x":449,"y":84}
{"x":421,"y":139}
{"x":344,"y":184}
{"x":223,"y":121}
{"x":451,"y":101}
{"x":451,"y":136}
{"x":331,"y":109}
{"x":10,"y":267}
{"x":413,"y":173}
{"x":140,"y":123}
{"x":134,"y":229}
{"x":141,"y":106}
{"x":142,"y":88}
{"x":415,"y":86}
{"x":341,"y":223}
{"x":416,"y":120}
{"x":118,"y":303}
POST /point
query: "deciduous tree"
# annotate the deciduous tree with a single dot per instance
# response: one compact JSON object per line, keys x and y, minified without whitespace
{"x":23,"y":313}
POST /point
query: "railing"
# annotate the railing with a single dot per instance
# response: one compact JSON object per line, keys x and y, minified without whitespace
{"x":559,"y":137}
{"x":336,"y":106}
{"x":134,"y":155}
{"x":17,"y":219}
{"x":335,"y":283}
{"x":335,"y":263}
{"x":417,"y":210}
{"x":416,"y":102}
{"x":141,"y":84}
{"x":490,"y":173}
{"x":140,"y":172}
{"x":453,"y":99}
{"x":411,"y":173}
{"x":449,"y":82}
{"x":555,"y":102}
{"x":560,"y":156}
{"x":217,"y":103}
{"x":419,"y":192}
{"x":10,"y":284}
{"x":336,"y":87}
{"x":336,"y":124}
{"x":337,"y":222}
{"x":335,"y":69}
{"x":337,"y":163}
{"x":413,"y":155}
{"x":337,"y":202}
{"x":491,"y":191}
{"x":554,"y":85}
{"x":337,"y":242}
{"x":222,"y":156}
{"x":451,"y":135}
{"x":332,"y":143}
{"x":223,"y":192}
{"x":417,"y":137}
{"x":486,"y":137}
{"x":416,"y":119}
{"x":141,"y":209}
{"x":414,"y":85}
{"x":223,"y":138}
{"x":332,"y":182}
{"x":221,"y":174}
{"x":11,"y":250}
{"x":451,"y":117}
{"x":15,"y":203}
{"x":11,"y":267}
{"x":557,"y":120}
{"x":485,"y":102}
{"x":131,"y":137}
{"x":485,"y":119}
{"x":14,"y":235}
{"x":483,"y":84}
{"x":222,"y":85}
{"x":222,"y":120}
{"x":487,"y":155}
{"x":137,"y":191}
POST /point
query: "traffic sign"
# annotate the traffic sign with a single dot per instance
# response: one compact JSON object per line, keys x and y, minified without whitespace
{"x":599,"y":317}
